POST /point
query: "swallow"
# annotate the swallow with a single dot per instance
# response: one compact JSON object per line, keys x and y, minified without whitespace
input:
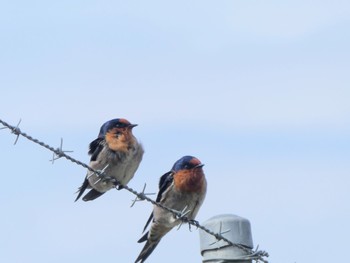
{"x":117,"y":152}
{"x":184,"y":187}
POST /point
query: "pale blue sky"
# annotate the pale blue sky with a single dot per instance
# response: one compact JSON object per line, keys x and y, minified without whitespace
{"x":257,"y":90}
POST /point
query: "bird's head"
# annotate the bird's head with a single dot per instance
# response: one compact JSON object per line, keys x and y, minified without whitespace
{"x":188,"y":175}
{"x":187,"y":163}
{"x":116,"y":127}
{"x":118,"y":134}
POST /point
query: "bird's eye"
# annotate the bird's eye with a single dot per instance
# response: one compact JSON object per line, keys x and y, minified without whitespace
{"x":120,"y":125}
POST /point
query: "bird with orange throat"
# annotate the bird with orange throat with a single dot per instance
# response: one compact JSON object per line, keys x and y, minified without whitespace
{"x":117,"y":153}
{"x":184,"y":187}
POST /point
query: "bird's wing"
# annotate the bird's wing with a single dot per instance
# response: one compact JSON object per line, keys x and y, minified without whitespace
{"x":147,"y":223}
{"x":164,"y":182}
{"x":95,"y":148}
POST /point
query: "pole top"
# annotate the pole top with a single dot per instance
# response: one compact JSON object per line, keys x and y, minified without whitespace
{"x":234,"y":228}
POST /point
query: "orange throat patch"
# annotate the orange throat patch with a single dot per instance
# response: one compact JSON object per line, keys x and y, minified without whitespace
{"x":121,"y":142}
{"x":189,"y":180}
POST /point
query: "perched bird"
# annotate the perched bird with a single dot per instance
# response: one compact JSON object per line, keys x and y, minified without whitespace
{"x":184,"y":187}
{"x":117,"y":152}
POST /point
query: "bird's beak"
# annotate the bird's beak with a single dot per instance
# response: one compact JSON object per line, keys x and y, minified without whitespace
{"x":199,"y":165}
{"x":132,"y":126}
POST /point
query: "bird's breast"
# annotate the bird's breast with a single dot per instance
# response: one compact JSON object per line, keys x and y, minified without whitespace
{"x":119,"y":165}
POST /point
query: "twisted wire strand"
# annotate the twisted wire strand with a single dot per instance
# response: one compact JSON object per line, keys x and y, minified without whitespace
{"x":254,"y":255}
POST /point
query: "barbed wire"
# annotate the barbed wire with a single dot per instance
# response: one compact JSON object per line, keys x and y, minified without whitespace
{"x":256,"y":255}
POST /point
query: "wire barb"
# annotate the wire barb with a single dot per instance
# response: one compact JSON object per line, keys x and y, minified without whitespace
{"x":101,"y":175}
{"x":141,"y":196}
{"x":220,"y":234}
{"x":14,"y":129}
{"x":182,"y":216}
{"x":58,"y":153}
{"x":256,"y":255}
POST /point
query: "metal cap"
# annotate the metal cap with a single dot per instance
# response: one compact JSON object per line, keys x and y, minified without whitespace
{"x":234,"y":228}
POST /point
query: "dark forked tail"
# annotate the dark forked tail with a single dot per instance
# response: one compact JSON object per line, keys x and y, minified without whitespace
{"x":91,"y":195}
{"x":82,"y":189}
{"x":147,"y":249}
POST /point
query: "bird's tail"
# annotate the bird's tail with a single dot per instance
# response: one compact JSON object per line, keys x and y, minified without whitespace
{"x":147,"y":249}
{"x":82,"y":189}
{"x":92,"y":195}
{"x":152,"y":239}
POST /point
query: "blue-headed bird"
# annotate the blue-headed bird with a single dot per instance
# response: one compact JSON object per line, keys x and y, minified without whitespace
{"x":117,"y":153}
{"x":184,"y":187}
